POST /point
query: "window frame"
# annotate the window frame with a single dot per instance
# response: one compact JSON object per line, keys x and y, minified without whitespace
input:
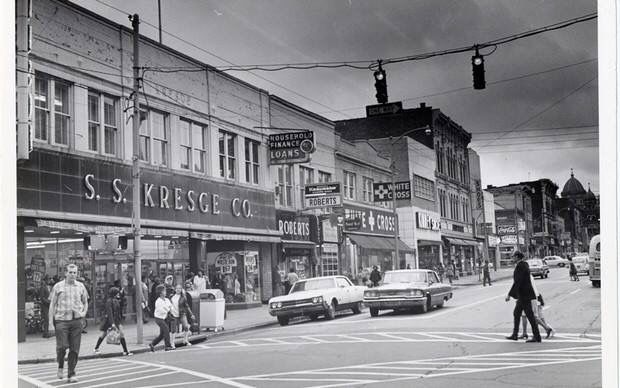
{"x":252,"y":161}
{"x":423,"y":188}
{"x":306,"y":176}
{"x":102,"y":124}
{"x":151,"y":139}
{"x":191,"y":148}
{"x":284,"y":196}
{"x":224,"y":159}
{"x":349,"y":185}
{"x":50,"y":112}
{"x":367,"y":184}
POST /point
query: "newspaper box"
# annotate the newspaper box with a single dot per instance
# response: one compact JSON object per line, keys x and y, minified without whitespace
{"x":212,"y":309}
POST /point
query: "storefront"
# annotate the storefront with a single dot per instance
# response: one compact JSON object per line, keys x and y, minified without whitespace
{"x":428,"y":239}
{"x":369,"y":240}
{"x":298,"y":250}
{"x":329,"y":263}
{"x":462,"y":252}
{"x":73,"y":209}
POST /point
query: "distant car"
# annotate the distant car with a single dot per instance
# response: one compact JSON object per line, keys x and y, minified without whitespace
{"x":556,"y":261}
{"x":317,"y":296}
{"x":538,"y":267}
{"x":582,"y":264}
{"x":407,"y":289}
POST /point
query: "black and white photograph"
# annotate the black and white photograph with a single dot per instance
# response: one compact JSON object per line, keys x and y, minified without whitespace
{"x":325,"y":193}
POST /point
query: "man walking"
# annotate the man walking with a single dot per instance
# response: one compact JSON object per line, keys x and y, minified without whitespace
{"x":523,"y":291}
{"x":68,"y":306}
{"x":486,"y":275}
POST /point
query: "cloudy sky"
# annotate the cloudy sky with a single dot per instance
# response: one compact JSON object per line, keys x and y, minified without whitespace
{"x":555,"y":90}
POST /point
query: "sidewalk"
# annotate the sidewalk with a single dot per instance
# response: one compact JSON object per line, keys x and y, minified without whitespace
{"x":472,"y":280}
{"x":38,"y":349}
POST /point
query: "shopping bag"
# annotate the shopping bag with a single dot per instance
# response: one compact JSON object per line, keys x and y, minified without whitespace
{"x":114,"y":336}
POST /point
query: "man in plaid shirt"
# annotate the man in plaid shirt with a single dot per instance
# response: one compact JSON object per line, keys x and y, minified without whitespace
{"x":68,"y":306}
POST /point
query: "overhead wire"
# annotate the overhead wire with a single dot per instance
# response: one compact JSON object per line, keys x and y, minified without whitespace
{"x":225,"y":60}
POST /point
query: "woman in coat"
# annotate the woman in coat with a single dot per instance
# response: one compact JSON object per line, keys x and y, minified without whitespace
{"x":182,"y":313}
{"x":112,"y":320}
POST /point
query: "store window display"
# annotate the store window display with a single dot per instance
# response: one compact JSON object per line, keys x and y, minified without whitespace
{"x":236,"y":273}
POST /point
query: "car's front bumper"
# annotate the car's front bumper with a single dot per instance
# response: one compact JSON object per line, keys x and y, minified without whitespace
{"x":538,"y":272}
{"x":298,"y":310}
{"x":395,"y":302}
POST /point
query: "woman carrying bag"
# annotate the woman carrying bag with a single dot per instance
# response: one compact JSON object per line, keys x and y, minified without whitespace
{"x":112,"y":327}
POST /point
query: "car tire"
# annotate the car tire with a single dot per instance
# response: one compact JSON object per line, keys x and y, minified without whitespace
{"x":331,"y":311}
{"x":357,"y":309}
{"x":426,"y":306}
{"x":440,"y":305}
{"x":313,"y":317}
{"x":374,"y":311}
{"x":283,"y":321}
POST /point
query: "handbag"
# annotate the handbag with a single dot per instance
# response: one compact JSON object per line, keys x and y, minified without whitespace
{"x":113,"y":336}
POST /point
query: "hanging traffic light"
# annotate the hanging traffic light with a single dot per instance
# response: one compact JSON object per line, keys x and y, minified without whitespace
{"x":477,"y":67}
{"x":381,"y":85}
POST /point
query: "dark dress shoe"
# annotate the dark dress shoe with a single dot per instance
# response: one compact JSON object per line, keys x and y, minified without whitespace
{"x":534,"y":340}
{"x":512,"y":337}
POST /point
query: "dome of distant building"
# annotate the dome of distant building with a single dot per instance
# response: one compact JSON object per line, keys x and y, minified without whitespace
{"x":590,"y":194}
{"x":572,"y":187}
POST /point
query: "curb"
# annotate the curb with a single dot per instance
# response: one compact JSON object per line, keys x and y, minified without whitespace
{"x":193,"y":339}
{"x":204,"y":336}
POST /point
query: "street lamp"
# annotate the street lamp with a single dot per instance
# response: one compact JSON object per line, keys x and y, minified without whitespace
{"x":428,"y":131}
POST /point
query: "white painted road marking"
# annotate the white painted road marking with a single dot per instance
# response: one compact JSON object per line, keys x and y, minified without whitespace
{"x":574,"y":292}
{"x":437,"y":367}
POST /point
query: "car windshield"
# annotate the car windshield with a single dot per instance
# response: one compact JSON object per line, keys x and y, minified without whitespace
{"x":313,"y":284}
{"x":405,"y":277}
{"x":581,"y":259}
{"x":534,"y":262}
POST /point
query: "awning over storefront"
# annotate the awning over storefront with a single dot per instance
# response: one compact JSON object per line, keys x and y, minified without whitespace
{"x":235,"y":237}
{"x":459,"y":241}
{"x":379,"y":243}
{"x":298,"y":244}
{"x":422,"y":243}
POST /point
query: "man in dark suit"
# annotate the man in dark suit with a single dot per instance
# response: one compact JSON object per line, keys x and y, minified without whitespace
{"x":523,"y":292}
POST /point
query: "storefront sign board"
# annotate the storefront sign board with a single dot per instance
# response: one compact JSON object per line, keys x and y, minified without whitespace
{"x":427,"y":221}
{"x":297,"y":227}
{"x":373,"y":221}
{"x":321,"y":195}
{"x":290,"y":147}
{"x":383,"y":191}
{"x":506,"y":229}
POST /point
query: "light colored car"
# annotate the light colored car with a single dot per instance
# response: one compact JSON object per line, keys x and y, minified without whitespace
{"x":556,"y":261}
{"x":582,"y":264}
{"x":317,"y":296}
{"x":407,"y":289}
{"x":538,"y":267}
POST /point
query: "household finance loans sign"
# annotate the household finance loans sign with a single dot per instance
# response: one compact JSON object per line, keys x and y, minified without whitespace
{"x":291,"y":147}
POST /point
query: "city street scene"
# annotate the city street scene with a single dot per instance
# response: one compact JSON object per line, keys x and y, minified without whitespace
{"x":308,"y":194}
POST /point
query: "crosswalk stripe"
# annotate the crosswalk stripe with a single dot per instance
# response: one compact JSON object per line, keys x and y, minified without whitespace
{"x":33,"y":381}
{"x":108,"y":372}
{"x":52,"y":372}
{"x":136,"y":379}
{"x":88,"y":379}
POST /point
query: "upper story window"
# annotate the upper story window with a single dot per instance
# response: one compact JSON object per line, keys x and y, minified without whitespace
{"x":228,"y":159}
{"x":423,"y":188}
{"x":252,"y":165}
{"x":465,"y":203}
{"x":324,"y":177}
{"x":103,"y":123}
{"x":52,"y":123}
{"x":442,"y":202}
{"x":154,"y":134}
{"x":367,"y":189}
{"x":284,"y":189}
{"x":306,"y":176}
{"x":193,"y":146}
{"x":440,"y":159}
{"x":349,"y":185}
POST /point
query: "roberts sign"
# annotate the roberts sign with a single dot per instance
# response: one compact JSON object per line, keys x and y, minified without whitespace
{"x":322,"y":195}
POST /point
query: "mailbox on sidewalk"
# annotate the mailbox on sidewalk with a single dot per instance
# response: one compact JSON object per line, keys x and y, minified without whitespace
{"x":212,"y":309}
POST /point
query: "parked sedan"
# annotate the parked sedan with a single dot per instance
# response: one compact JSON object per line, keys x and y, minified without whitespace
{"x":538,"y":267}
{"x":317,"y":296}
{"x":582,"y":264}
{"x":556,"y":261}
{"x":407,"y":289}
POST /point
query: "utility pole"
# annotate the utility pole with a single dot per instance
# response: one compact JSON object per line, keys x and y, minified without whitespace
{"x":393,"y":168}
{"x":159,"y":14}
{"x":135,"y":23}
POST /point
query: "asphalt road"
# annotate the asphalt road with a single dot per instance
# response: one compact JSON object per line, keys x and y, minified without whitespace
{"x":460,"y":345}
